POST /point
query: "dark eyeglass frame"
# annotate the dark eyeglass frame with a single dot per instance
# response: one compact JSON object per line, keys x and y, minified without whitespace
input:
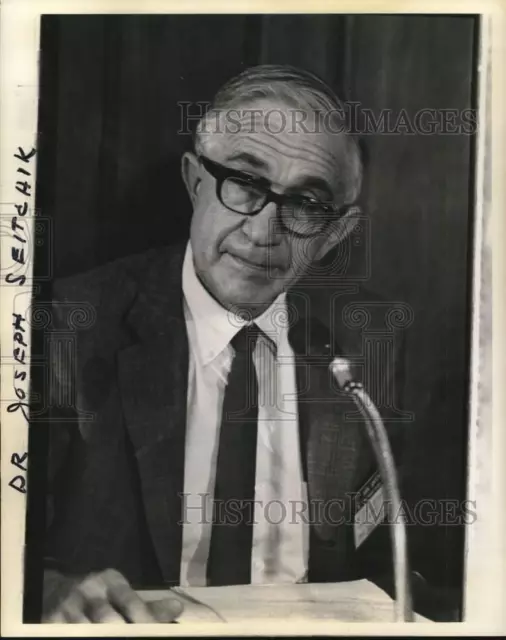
{"x":221,"y":173}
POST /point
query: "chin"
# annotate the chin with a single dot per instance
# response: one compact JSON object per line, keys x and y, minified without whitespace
{"x":231,"y":289}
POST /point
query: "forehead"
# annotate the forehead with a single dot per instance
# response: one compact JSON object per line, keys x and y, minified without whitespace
{"x":283,"y":138}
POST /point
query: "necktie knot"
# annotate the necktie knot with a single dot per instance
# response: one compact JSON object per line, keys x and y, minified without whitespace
{"x":245,"y":340}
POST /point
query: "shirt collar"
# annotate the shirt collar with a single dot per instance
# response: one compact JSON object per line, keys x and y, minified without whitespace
{"x":214,"y":325}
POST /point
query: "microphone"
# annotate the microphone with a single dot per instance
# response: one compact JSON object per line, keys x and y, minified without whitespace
{"x":341,"y":370}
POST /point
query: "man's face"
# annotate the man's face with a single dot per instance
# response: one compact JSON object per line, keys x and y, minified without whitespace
{"x":247,"y":261}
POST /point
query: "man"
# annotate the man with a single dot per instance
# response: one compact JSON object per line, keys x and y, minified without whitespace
{"x":200,"y":395}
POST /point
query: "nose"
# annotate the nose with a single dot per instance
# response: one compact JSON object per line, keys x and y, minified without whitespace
{"x":263,"y":228}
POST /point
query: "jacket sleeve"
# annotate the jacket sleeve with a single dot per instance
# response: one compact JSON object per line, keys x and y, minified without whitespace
{"x":63,"y":425}
{"x":87,"y":318}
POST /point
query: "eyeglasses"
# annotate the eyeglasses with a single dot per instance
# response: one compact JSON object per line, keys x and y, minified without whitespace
{"x":248,"y":195}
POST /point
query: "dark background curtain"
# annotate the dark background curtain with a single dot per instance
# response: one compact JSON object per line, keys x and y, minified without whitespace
{"x":109,"y":180}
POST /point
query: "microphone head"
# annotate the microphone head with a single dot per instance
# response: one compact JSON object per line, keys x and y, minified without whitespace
{"x":341,"y":370}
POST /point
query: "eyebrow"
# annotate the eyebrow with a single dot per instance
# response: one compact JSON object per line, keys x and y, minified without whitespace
{"x":248,"y":158}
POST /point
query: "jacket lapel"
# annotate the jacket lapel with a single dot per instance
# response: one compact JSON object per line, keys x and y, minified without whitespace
{"x":153,"y":381}
{"x":333,"y":441}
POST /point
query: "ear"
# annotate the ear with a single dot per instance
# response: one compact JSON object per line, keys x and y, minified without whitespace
{"x":190,"y":174}
{"x":339,"y":230}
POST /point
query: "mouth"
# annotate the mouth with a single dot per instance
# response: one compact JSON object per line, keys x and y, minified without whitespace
{"x":245,"y":262}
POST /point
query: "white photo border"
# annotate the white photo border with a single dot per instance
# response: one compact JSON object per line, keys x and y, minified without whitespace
{"x":485,"y":562}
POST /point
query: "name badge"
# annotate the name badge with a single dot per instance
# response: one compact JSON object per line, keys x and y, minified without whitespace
{"x":370,"y":509}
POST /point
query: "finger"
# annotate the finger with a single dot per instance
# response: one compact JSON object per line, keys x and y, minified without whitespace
{"x":165,"y":610}
{"x":71,"y":609}
{"x":93,"y":587}
{"x":74,"y":614}
{"x":95,"y":593}
{"x":124,"y":598}
{"x":100,"y":610}
{"x":56,"y":617}
{"x":112,"y":577}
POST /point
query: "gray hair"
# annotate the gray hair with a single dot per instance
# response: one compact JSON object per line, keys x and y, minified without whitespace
{"x":297,"y":88}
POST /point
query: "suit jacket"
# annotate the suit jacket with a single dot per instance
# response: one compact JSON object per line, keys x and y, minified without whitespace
{"x":119,"y":353}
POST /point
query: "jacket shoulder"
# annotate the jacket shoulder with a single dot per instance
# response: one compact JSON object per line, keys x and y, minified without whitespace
{"x":97,"y":302}
{"x":114,"y":278}
{"x":367,"y":309}
{"x":349,"y":306}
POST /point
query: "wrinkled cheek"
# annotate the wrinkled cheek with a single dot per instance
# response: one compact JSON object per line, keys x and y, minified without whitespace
{"x":205,"y":224}
{"x":302,"y":254}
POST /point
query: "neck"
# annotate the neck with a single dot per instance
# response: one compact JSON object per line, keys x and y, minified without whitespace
{"x":248,"y":310}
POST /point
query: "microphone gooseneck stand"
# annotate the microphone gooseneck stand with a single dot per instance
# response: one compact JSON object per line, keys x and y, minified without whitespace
{"x":340,"y":369}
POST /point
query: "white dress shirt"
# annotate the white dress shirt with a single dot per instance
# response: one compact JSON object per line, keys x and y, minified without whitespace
{"x":280,"y":532}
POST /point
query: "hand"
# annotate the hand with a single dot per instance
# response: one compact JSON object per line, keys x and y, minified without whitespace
{"x":105,"y":596}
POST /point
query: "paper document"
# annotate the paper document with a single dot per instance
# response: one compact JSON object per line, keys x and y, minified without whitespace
{"x":354,"y":601}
